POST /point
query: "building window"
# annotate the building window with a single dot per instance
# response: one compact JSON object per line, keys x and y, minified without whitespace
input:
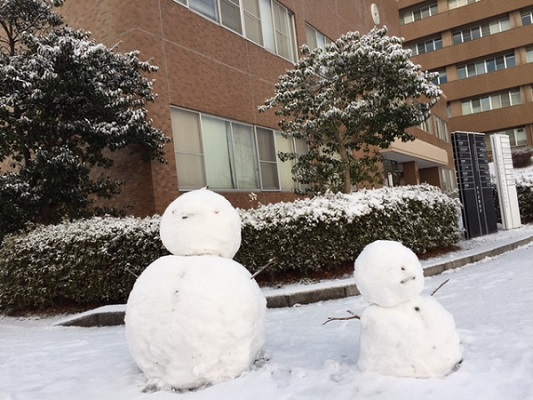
{"x":435,"y":125}
{"x":527,"y":17}
{"x":427,"y":125}
{"x":224,"y":155}
{"x":406,"y":17}
{"x":315,"y":39}
{"x":264,"y":22}
{"x":442,"y":78}
{"x":441,"y":128}
{"x":517,"y":137}
{"x":491,"y":102}
{"x":425,"y":46}
{"x":476,"y":32}
{"x":289,"y":145}
{"x":447,"y":179}
{"x":460,"y":3}
{"x":485,"y":66}
{"x":529,"y":54}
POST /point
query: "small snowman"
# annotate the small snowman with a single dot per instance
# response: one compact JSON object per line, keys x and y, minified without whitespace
{"x":196,"y":317}
{"x":402,"y":333}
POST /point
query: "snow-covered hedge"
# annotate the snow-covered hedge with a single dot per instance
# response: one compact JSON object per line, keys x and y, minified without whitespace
{"x":96,"y":261}
{"x":87,"y":262}
{"x":324,"y":232}
{"x":524,"y":190}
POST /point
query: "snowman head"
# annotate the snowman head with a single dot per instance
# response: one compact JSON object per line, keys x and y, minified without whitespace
{"x":201,"y":222}
{"x":387,"y":273}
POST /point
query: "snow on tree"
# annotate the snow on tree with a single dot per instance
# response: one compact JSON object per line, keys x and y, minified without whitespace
{"x":66,"y":102}
{"x":348,"y":100}
{"x":20,"y":16}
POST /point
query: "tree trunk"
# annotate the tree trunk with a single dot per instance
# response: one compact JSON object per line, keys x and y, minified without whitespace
{"x":346,"y":175}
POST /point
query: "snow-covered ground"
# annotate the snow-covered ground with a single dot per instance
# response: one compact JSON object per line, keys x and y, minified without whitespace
{"x":491,"y":302}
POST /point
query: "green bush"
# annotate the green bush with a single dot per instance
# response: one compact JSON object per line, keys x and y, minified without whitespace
{"x":524,"y":191}
{"x":325,"y":232}
{"x":87,"y":262}
{"x":96,"y":261}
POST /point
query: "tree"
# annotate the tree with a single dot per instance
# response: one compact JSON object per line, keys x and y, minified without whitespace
{"x":20,"y":16}
{"x":66,"y":103}
{"x":347,"y":101}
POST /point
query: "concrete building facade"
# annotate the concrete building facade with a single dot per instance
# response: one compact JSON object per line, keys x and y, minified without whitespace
{"x":483,"y":50}
{"x":218,"y":61}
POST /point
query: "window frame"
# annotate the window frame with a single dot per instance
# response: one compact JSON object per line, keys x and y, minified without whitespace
{"x":195,"y":150}
{"x":494,"y":101}
{"x":488,"y":28}
{"x":426,"y":11}
{"x":265,"y":21}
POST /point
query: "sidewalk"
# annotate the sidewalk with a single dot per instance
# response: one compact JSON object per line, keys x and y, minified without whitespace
{"x":471,"y":251}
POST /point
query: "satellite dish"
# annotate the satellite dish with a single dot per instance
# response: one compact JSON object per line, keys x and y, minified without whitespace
{"x":375,"y":13}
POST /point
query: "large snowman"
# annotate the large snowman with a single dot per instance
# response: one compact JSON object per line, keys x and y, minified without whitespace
{"x":402,"y":333}
{"x":196,"y":317}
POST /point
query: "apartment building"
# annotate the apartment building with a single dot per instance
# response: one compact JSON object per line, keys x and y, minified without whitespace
{"x":483,"y":50}
{"x":218,"y":61}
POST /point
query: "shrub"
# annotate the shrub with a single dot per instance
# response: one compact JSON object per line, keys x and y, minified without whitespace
{"x":95,"y":261}
{"x":524,"y":190}
{"x":327,"y":231}
{"x":87,"y":262}
{"x":521,"y":156}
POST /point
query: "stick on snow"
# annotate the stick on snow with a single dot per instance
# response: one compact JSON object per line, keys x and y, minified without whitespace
{"x":353,"y":316}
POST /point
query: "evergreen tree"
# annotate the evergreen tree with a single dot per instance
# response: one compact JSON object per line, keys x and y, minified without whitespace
{"x":348,"y":101}
{"x":66,"y":103}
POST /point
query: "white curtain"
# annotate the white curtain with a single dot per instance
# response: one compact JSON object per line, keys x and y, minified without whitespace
{"x":245,"y":157}
{"x":216,"y":139}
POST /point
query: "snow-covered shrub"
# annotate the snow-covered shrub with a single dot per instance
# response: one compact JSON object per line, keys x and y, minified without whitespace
{"x":326,"y":231}
{"x":521,"y":156}
{"x":92,"y":261}
{"x":96,"y":261}
{"x":524,"y":189}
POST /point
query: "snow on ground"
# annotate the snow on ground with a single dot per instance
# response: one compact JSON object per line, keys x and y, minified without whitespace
{"x":491,"y":302}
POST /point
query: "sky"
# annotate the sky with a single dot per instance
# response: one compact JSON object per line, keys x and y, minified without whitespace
{"x":303,"y":359}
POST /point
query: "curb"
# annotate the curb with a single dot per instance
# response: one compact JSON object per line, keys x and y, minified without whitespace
{"x":100,"y":317}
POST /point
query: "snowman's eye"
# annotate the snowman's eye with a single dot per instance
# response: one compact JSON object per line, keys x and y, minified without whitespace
{"x":403,"y":268}
{"x":184,"y":216}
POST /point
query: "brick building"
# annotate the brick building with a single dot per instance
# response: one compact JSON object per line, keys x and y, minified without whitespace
{"x":218,"y":61}
{"x":483,"y":50}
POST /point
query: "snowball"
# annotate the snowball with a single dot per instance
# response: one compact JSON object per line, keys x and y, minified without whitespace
{"x":416,"y":338}
{"x":388,"y":273}
{"x":201,"y":222}
{"x":193,"y":321}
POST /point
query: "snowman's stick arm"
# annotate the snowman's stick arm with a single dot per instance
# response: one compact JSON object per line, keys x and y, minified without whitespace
{"x":354,"y":316}
{"x":438,"y":287}
{"x":268,"y":264}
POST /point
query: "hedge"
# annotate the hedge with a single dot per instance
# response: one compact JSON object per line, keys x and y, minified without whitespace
{"x":96,"y":261}
{"x":325,"y":232}
{"x":92,"y":261}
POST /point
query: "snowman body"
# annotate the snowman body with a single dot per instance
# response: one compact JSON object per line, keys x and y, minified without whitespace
{"x":196,"y":317}
{"x":402,"y":333}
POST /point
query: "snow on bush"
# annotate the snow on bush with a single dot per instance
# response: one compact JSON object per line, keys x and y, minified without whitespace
{"x":96,"y":261}
{"x":91,"y":261}
{"x":524,"y":190}
{"x":326,"y":231}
